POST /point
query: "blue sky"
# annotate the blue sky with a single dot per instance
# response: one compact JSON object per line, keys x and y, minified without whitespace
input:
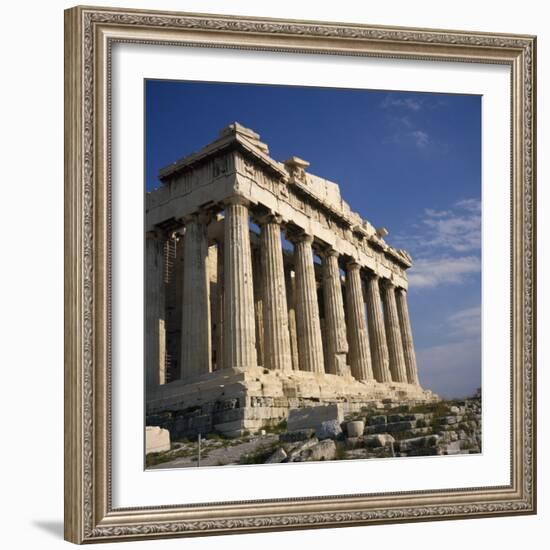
{"x":408,"y":161}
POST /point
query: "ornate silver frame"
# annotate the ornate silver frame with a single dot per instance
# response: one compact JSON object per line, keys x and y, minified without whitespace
{"x":89,"y":35}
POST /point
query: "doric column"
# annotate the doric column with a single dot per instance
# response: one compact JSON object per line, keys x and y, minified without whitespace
{"x":406,"y":336}
{"x":277,"y":351}
{"x":173,"y":329}
{"x":335,"y":323}
{"x":220,"y":308}
{"x":257,"y":276}
{"x":393,"y":333}
{"x":290,"y":281}
{"x":310,"y":344}
{"x":239,"y":336}
{"x":359,"y":349}
{"x":377,"y":333}
{"x":154,"y":311}
{"x":195,"y":322}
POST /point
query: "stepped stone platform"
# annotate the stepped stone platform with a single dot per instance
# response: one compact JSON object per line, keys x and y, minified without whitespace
{"x":235,"y":401}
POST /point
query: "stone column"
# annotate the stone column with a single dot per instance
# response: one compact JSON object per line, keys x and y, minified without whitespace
{"x":406,"y":336}
{"x":277,"y":351}
{"x":377,"y":334}
{"x":257,"y":276}
{"x":239,"y":332}
{"x":154,"y":312}
{"x":173,"y":332}
{"x":290,"y":281}
{"x":393,"y":334}
{"x":359,"y":348}
{"x":310,"y":344}
{"x":335,"y":323}
{"x":195,"y":322}
{"x":220,"y":309}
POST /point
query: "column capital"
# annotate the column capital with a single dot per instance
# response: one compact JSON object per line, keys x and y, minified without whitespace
{"x":302,"y":236}
{"x":203,"y":217}
{"x":387,"y":283}
{"x":401,"y":290}
{"x":269,"y":217}
{"x":237,"y":199}
{"x":372,"y":275}
{"x":353,"y":265}
{"x":329,"y":252}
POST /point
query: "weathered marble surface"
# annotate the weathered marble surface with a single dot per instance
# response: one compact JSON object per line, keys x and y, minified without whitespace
{"x":232,"y":401}
{"x":157,"y":440}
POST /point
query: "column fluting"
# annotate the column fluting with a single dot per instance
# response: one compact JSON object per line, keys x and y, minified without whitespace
{"x":406,"y":336}
{"x":290,"y":280}
{"x":154,"y":311}
{"x":310,"y":345}
{"x":335,"y":323}
{"x":257,"y":276}
{"x":359,"y":348}
{"x":377,"y":333}
{"x":239,"y":326}
{"x":219,"y":307}
{"x":393,"y":333}
{"x":196,"y":344}
{"x":277,"y":350}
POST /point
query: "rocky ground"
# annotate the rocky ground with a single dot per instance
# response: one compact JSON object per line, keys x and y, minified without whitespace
{"x":384,"y":430}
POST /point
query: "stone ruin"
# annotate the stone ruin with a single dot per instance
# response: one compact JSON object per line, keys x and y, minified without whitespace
{"x":265,"y":292}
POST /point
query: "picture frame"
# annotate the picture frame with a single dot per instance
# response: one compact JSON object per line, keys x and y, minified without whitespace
{"x":90,"y":34}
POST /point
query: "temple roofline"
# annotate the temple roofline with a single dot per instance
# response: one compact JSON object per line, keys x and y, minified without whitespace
{"x":236,"y":137}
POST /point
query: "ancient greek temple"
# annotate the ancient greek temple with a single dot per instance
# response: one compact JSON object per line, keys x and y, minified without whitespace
{"x":265,"y":291}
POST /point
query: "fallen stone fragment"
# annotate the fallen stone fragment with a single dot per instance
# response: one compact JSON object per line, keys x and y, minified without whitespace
{"x":278,"y":456}
{"x":299,"y":449}
{"x":378,"y":440}
{"x":324,"y":450}
{"x":157,"y":440}
{"x":329,"y":429}
{"x":416,"y":442}
{"x":453,"y":448}
{"x":312,"y":417}
{"x":355,"y":428}
{"x":297,"y":435}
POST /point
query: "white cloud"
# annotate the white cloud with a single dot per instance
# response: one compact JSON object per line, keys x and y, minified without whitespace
{"x":400,"y":115}
{"x":446,"y":232}
{"x":420,"y":138}
{"x":435,"y":271}
{"x":472,"y":205}
{"x":409,"y":103}
{"x":466,"y":322}
{"x":458,"y":229}
{"x":445,"y":245}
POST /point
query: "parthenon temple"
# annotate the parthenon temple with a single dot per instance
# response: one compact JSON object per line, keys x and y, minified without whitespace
{"x":264,"y":291}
